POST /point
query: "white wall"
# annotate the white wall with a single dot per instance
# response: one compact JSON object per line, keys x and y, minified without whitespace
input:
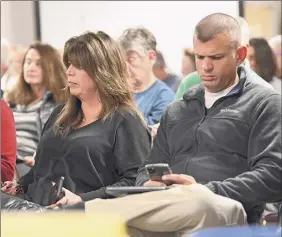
{"x":172,"y":22}
{"x":18,"y":22}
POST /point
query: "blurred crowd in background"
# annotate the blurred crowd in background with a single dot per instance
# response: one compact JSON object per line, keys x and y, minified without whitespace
{"x":33,"y":77}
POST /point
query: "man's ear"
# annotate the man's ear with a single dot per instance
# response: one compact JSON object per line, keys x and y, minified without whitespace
{"x":152,"y":55}
{"x":241,"y":54}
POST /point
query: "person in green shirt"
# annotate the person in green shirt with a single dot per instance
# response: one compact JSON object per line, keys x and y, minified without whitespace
{"x":186,"y":83}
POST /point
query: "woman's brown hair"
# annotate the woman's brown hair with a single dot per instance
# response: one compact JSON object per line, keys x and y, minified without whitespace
{"x":265,"y":59}
{"x":54,"y":77}
{"x":101,"y":57}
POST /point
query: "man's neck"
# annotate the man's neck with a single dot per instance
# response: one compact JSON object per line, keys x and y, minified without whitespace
{"x":226,"y":87}
{"x":147,"y":83}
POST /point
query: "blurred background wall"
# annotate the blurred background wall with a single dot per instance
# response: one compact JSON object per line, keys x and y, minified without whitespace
{"x":172,"y":22}
{"x":264,"y":18}
{"x":18,"y":23}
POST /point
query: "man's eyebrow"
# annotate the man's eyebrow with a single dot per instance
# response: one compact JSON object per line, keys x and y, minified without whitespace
{"x":213,"y":55}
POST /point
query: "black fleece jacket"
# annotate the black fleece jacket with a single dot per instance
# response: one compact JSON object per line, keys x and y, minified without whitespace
{"x":234,"y":148}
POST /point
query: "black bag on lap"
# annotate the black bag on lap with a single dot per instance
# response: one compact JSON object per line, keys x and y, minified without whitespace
{"x":11,"y":203}
{"x":44,"y":191}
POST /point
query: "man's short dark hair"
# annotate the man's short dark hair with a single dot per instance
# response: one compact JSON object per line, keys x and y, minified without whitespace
{"x":218,"y":23}
{"x":160,"y":60}
{"x":190,"y":54}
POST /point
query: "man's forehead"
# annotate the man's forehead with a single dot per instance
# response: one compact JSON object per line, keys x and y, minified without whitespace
{"x":135,"y":54}
{"x":132,"y":53}
{"x":225,"y":36}
{"x":219,"y":44}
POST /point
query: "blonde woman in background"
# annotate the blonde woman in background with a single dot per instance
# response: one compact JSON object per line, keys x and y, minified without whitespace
{"x":37,"y":91}
{"x":15,"y":59}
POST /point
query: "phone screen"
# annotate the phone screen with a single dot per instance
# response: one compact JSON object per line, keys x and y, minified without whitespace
{"x":156,"y":172}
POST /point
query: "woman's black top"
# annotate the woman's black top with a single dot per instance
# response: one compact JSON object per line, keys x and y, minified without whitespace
{"x":103,"y":153}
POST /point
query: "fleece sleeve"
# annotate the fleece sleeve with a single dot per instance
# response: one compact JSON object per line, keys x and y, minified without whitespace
{"x":262,"y":183}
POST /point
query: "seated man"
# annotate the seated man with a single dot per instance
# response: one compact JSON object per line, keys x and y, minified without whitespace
{"x":161,"y":71}
{"x":226,"y":132}
{"x":150,"y":94}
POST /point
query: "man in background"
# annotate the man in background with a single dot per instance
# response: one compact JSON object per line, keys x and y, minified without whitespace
{"x":188,"y":62}
{"x":150,"y":94}
{"x":162,"y":73}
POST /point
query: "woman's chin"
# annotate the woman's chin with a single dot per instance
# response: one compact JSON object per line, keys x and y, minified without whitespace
{"x":74,"y":92}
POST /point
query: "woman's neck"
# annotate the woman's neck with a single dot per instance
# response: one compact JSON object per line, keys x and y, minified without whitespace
{"x":39,"y":91}
{"x":91,"y":109}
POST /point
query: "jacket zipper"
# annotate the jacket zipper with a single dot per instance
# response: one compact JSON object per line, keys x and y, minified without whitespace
{"x":203,"y":119}
{"x":206,"y":115}
{"x":198,"y":125}
{"x":195,"y":134}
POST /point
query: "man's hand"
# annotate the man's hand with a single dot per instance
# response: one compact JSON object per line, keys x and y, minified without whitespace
{"x":151,"y":183}
{"x":182,"y":179}
{"x":69,"y":199}
{"x":176,"y":179}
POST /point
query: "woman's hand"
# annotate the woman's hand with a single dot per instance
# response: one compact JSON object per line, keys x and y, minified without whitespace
{"x":154,"y":130}
{"x":69,"y":199}
{"x":11,"y":187}
{"x":29,"y":161}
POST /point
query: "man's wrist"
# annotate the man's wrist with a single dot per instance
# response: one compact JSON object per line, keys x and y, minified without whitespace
{"x":211,"y":187}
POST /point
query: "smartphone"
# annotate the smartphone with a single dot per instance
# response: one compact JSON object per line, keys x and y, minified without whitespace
{"x":156,"y":171}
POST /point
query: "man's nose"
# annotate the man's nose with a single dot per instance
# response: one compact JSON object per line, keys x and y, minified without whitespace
{"x":207,"y":65}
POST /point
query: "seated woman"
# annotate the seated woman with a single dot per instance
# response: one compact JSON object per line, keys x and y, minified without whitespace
{"x":32,"y":99}
{"x":98,"y":134}
{"x":8,"y":143}
{"x":263,"y":62}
